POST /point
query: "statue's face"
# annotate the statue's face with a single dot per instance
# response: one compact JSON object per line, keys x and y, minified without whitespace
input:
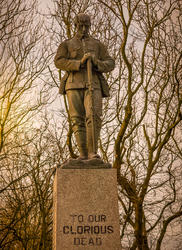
{"x":83,"y":29}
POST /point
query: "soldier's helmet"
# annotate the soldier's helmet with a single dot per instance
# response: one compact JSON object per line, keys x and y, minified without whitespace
{"x":82,"y":18}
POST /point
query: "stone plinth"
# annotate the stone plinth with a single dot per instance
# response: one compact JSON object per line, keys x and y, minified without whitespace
{"x":86,"y":210}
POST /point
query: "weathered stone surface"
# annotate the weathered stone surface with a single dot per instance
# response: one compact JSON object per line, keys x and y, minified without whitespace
{"x":86,"y":210}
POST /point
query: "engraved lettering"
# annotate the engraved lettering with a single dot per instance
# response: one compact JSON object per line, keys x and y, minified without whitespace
{"x":80,"y":229}
{"x":73,"y":217}
{"x":110,"y":229}
{"x":66,"y":229}
{"x":83,"y":241}
{"x":80,"y":218}
{"x":103,"y":217}
{"x":76,"y":241}
{"x":98,"y":241}
{"x":71,"y":230}
{"x":87,"y":229}
{"x":91,"y":242}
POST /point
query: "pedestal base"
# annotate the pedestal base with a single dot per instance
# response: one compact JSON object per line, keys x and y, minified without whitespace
{"x":86,"y":210}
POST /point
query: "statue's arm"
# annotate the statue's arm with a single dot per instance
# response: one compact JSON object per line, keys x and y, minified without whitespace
{"x":62,"y":60}
{"x":105,"y":63}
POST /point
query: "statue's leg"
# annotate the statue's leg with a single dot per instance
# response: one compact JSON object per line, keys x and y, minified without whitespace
{"x":77,"y":115}
{"x":97,"y":109}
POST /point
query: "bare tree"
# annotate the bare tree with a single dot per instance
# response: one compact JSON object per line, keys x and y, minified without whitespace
{"x":23,"y":59}
{"x":147,"y":173}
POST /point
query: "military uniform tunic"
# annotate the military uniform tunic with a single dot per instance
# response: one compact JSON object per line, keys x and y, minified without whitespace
{"x":68,"y":57}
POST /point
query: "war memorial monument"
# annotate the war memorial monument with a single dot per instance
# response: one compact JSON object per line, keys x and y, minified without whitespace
{"x":86,"y":214}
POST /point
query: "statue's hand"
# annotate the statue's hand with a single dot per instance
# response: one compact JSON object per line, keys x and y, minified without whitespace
{"x":85,"y":58}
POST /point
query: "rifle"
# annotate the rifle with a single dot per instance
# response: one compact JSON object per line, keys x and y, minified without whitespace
{"x":91,"y":90}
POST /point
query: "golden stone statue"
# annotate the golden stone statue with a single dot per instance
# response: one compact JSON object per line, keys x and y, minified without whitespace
{"x":84,"y":59}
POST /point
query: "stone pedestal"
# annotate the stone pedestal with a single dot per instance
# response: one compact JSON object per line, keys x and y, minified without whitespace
{"x":86,"y":210}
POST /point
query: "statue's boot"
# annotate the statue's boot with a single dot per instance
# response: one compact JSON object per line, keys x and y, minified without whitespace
{"x":92,"y":154}
{"x":82,"y":145}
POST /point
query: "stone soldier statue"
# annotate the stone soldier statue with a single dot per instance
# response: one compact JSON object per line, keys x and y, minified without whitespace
{"x":73,"y":56}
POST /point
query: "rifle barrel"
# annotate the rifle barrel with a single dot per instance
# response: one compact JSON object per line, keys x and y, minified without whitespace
{"x":91,"y":90}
